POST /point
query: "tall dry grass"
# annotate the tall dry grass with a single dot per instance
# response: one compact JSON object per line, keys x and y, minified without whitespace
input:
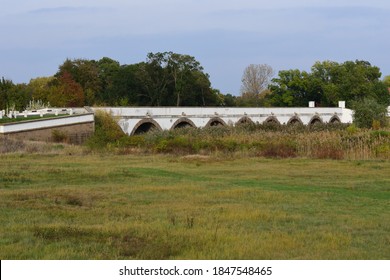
{"x":318,"y":142}
{"x":323,"y":142}
{"x":10,"y":145}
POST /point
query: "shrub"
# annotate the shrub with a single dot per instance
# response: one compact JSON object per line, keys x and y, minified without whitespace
{"x":175,"y":145}
{"x":352,"y":129}
{"x":107,"y":131}
{"x":59,"y":136}
{"x":369,"y":112}
{"x":133,"y":141}
{"x":383,"y":150}
{"x":380,"y":134}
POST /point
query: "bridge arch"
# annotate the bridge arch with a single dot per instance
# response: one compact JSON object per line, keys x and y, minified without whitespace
{"x":295,"y":120}
{"x":183,"y":123}
{"x":315,"y":120}
{"x":335,"y":120}
{"x":272,"y":120}
{"x":244,"y":120}
{"x":216,"y":121}
{"x":145,"y":126}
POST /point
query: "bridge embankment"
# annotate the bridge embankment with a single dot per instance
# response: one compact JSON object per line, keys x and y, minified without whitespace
{"x":75,"y":128}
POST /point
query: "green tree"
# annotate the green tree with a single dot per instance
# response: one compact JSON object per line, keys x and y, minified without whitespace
{"x":13,"y":96}
{"x":386,"y":82}
{"x":198,"y":91}
{"x":19,"y":96}
{"x":40,"y":88}
{"x":165,"y":79}
{"x":327,"y":83}
{"x":180,"y":67}
{"x":361,"y":80}
{"x":108,"y":69}
{"x":228,"y":100}
{"x":291,"y":88}
{"x":153,"y":84}
{"x":178,"y":76}
{"x":5,"y":88}
{"x":368,"y":110}
{"x":123,"y":90}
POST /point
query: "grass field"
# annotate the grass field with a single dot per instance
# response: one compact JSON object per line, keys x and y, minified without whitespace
{"x":192,"y":207}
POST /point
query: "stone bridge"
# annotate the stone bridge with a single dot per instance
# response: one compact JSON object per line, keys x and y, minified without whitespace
{"x":136,"y":120}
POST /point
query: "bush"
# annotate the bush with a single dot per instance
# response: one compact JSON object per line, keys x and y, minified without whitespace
{"x":59,"y":136}
{"x":368,"y":113}
{"x":107,"y":131}
{"x":175,"y":145}
{"x":383,"y":151}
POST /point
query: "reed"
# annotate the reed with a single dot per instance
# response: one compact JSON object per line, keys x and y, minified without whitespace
{"x":326,"y":142}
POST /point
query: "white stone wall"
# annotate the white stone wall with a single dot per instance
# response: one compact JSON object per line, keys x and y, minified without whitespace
{"x":166,"y":117}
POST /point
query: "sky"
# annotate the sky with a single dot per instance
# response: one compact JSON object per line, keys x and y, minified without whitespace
{"x":225,"y":36}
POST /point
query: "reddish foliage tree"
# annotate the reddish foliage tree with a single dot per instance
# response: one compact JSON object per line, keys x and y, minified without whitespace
{"x":66,"y":92}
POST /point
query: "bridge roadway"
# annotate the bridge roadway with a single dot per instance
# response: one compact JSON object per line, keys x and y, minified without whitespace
{"x":135,"y":120}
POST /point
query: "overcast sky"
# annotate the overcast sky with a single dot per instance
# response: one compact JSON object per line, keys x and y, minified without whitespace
{"x":223,"y":35}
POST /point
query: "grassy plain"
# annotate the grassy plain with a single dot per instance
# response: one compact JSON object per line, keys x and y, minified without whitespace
{"x":192,"y":207}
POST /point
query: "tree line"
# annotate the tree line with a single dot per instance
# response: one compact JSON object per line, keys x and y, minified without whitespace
{"x":171,"y":79}
{"x":326,"y":84}
{"x":164,"y":79}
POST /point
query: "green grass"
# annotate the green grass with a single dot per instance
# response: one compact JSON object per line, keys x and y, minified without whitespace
{"x":192,"y":207}
{"x":29,"y":118}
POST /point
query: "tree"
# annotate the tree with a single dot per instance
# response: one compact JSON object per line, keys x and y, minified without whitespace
{"x":178,"y":72}
{"x":367,"y":111}
{"x":256,"y":79}
{"x":386,"y":81}
{"x":328,"y":83}
{"x":19,"y":96}
{"x":153,"y":80}
{"x":200,"y":91}
{"x":13,"y":96}
{"x":228,"y":100}
{"x":40,"y":88}
{"x":165,"y":79}
{"x":123,"y":91}
{"x":180,"y":67}
{"x":66,"y":92}
{"x":108,"y":69}
{"x":5,"y":88}
{"x":291,"y":88}
{"x":85,"y":73}
{"x":351,"y":81}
